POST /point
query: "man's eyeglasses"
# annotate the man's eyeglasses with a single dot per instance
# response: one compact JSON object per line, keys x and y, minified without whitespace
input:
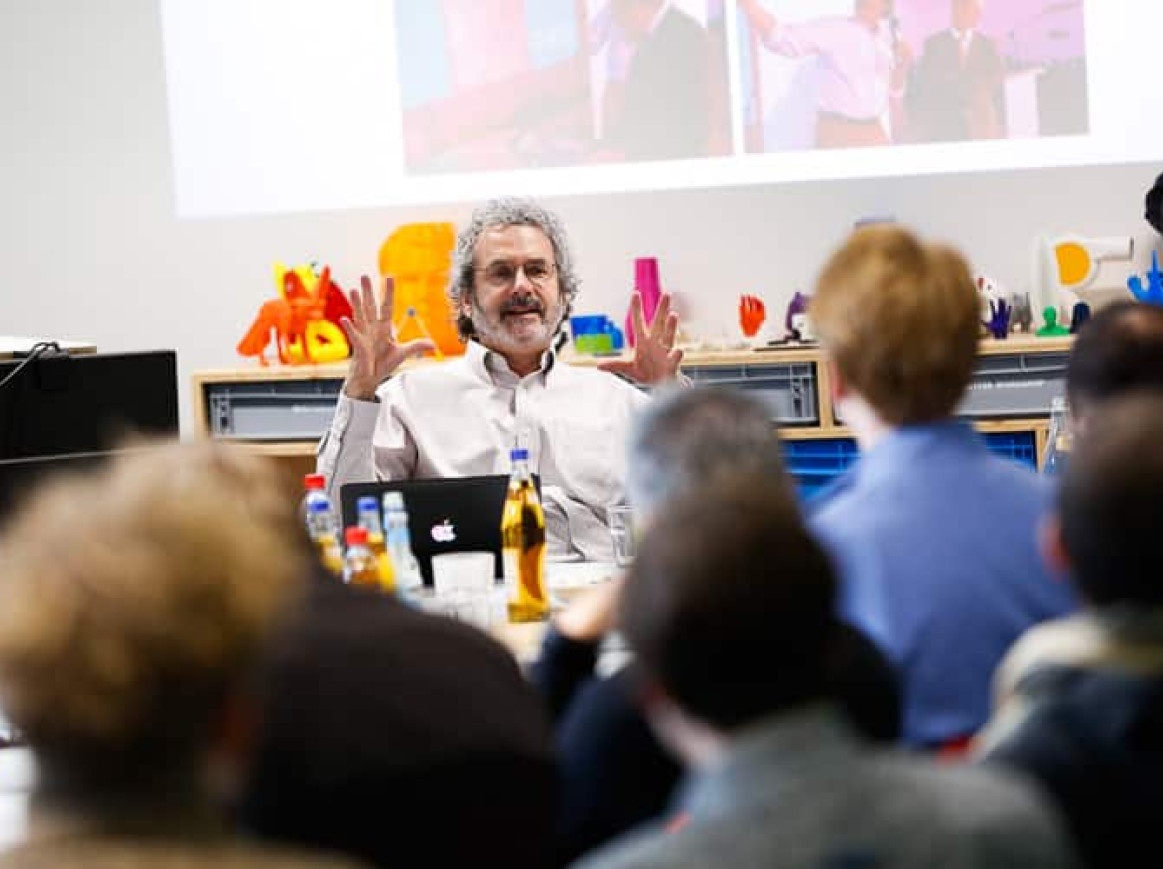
{"x":501,"y":275}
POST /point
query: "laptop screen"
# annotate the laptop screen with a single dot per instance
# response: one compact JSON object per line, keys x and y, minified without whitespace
{"x":451,"y":514}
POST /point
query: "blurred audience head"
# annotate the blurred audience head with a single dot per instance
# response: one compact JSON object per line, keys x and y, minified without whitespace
{"x":899,"y":319}
{"x":689,"y":437}
{"x":1109,"y":503}
{"x":1120,"y":349}
{"x":134,"y":603}
{"x":728,"y":607}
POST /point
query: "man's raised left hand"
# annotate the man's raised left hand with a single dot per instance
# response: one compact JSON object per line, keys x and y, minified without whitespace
{"x":655,"y":358}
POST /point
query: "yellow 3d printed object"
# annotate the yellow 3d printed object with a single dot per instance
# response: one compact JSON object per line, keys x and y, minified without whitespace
{"x":419,"y":257}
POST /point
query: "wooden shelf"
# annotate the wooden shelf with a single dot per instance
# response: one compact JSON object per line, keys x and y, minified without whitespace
{"x":751,"y":363}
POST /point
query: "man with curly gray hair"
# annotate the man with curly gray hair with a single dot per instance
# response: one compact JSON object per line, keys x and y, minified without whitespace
{"x":510,"y":212}
{"x":512,"y":288}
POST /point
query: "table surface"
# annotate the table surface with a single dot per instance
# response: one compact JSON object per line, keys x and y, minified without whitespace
{"x":566,"y":580}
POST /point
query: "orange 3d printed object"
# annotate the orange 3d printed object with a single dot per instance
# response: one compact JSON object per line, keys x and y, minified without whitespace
{"x":752,"y":313}
{"x":305,"y":319}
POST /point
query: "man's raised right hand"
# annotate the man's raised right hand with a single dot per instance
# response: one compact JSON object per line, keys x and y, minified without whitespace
{"x":375,"y":352}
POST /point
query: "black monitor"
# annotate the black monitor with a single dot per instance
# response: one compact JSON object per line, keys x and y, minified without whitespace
{"x":61,"y":404}
{"x":19,"y":477}
{"x":61,"y":413}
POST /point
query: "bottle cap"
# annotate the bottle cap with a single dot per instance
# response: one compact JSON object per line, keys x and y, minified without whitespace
{"x":519,"y":455}
{"x":366,"y":502}
{"x":314,"y":481}
{"x":355,"y":536}
{"x":393,"y":500}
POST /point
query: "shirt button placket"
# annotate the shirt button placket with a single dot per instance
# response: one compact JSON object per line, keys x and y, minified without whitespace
{"x":528,"y":434}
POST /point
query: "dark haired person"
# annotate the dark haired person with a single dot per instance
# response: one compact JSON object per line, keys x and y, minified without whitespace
{"x":735,"y":649}
{"x":1119,"y":350}
{"x":614,"y":772}
{"x":1079,"y":701}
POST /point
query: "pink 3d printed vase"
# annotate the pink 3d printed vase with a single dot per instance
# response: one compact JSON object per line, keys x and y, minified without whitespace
{"x":646,"y":283}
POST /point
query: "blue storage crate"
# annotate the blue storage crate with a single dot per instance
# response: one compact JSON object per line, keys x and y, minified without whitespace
{"x":814,"y":464}
{"x":1021,"y":446}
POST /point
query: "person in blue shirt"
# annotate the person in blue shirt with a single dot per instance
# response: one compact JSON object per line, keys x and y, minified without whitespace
{"x":934,"y":537}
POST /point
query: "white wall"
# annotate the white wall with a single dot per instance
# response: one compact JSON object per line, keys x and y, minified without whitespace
{"x":90,"y":248}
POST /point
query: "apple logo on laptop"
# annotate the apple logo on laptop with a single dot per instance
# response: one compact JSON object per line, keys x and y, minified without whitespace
{"x":444,"y":532}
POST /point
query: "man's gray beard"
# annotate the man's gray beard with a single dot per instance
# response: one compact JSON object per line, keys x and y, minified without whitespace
{"x":500,"y":339}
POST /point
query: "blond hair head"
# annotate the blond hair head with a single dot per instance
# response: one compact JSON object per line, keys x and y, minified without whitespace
{"x":134,"y":598}
{"x":900,"y":319}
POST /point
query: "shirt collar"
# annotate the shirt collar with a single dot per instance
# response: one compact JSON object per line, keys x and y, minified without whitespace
{"x":906,"y":446}
{"x":966,"y":35}
{"x":491,"y":365}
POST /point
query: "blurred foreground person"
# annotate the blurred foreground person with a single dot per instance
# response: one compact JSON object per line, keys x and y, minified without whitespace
{"x":734,"y":659}
{"x":1080,"y":700}
{"x":615,"y":773}
{"x":934,"y":536}
{"x":135,"y":604}
{"x":401,"y":738}
{"x":1118,"y":351}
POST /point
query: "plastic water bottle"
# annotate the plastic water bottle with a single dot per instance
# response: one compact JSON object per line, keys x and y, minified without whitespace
{"x":319,"y":517}
{"x":368,"y":517}
{"x":523,"y":544}
{"x":314,"y":491}
{"x":399,"y":544}
{"x":1058,"y":440}
{"x":359,"y":564}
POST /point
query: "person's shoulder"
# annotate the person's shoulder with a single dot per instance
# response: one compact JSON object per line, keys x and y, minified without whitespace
{"x":832,"y":496}
{"x":1019,"y":481}
{"x":339,"y":619}
{"x":985,"y":807}
{"x":606,"y":704}
{"x":842,"y":508}
{"x":650,"y":846}
{"x":1072,"y":642}
{"x":676,"y":20}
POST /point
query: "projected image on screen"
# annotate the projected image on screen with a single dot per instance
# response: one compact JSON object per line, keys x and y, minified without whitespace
{"x":860,"y":73}
{"x":491,"y":85}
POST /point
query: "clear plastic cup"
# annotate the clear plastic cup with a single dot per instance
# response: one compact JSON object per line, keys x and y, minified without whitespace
{"x":465,"y":587}
{"x":622,"y":533}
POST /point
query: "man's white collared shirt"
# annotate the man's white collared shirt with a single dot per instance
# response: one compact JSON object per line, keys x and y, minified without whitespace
{"x":462,"y":417}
